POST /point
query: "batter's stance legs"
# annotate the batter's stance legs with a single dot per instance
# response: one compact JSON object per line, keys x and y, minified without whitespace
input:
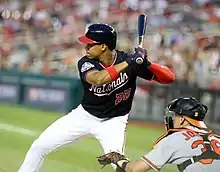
{"x":63,"y":131}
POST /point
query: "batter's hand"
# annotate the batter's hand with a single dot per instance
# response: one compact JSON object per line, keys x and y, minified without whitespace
{"x":143,"y":53}
{"x":112,"y":157}
{"x":139,"y":57}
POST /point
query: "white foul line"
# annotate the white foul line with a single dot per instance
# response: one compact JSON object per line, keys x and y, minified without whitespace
{"x":15,"y":129}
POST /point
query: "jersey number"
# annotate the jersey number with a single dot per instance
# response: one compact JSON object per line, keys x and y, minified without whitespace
{"x":122,"y":96}
{"x":215,"y":145}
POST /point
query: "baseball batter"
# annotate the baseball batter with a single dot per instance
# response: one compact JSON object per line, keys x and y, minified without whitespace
{"x":109,"y":81}
{"x":187,"y":143}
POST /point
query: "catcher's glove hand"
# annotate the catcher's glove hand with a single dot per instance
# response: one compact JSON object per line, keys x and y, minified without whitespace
{"x":112,"y":157}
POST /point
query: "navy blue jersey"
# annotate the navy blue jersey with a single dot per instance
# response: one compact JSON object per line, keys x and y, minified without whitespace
{"x":113,"y":99}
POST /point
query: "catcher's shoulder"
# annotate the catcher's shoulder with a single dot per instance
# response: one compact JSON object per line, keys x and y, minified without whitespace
{"x":171,"y":134}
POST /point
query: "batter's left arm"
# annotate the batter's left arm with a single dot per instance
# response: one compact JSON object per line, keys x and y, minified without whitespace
{"x":149,"y":70}
{"x":162,"y":74}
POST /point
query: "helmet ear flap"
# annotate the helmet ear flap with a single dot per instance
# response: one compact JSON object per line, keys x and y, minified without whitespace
{"x":205,"y":107}
{"x":169,"y":114}
{"x":168,"y":118}
{"x":168,"y":122}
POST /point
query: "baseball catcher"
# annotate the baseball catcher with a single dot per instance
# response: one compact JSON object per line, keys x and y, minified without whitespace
{"x":187,"y":143}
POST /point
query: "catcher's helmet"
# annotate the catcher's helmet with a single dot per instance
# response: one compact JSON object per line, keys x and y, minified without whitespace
{"x":193,"y":111}
{"x":100,"y":33}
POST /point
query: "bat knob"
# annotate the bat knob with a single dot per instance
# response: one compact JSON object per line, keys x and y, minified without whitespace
{"x":139,"y":60}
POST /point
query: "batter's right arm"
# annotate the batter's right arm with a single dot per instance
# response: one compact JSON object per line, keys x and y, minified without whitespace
{"x":103,"y":77}
{"x":110,"y":74}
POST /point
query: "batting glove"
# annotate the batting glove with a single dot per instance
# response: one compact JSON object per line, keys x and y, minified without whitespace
{"x":139,"y":57}
{"x":143,"y":53}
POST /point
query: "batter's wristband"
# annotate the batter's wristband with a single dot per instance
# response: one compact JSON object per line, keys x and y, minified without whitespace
{"x":112,"y":72}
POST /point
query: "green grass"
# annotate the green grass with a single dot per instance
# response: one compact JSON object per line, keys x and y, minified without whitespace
{"x":77,"y":157}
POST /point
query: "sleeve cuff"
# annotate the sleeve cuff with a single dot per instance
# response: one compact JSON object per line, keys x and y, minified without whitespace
{"x":152,"y":165}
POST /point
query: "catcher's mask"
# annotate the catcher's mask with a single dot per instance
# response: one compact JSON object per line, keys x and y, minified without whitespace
{"x":188,"y":107}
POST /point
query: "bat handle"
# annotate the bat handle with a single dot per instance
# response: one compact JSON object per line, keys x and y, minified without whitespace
{"x":140,"y":60}
{"x":140,"y":45}
{"x":141,"y":41}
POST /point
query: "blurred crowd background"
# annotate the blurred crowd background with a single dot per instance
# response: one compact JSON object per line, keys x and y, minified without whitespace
{"x":41,"y":35}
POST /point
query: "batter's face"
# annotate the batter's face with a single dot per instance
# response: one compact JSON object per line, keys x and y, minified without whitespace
{"x":93,"y":51}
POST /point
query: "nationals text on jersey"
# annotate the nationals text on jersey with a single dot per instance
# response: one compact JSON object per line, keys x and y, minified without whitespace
{"x":107,"y":89}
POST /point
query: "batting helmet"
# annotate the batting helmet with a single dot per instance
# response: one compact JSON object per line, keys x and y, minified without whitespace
{"x":100,"y":33}
{"x":193,"y":111}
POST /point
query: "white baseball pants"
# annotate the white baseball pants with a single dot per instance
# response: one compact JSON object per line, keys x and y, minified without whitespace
{"x":78,"y":123}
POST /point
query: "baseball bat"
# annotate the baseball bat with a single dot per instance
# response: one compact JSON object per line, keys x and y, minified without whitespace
{"x":142,"y":23}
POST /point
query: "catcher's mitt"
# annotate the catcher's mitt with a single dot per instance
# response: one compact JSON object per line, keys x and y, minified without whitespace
{"x":112,"y":157}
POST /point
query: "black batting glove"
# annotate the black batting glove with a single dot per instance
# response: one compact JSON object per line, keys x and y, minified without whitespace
{"x":139,"y":57}
{"x":143,"y":53}
{"x":135,"y":58}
